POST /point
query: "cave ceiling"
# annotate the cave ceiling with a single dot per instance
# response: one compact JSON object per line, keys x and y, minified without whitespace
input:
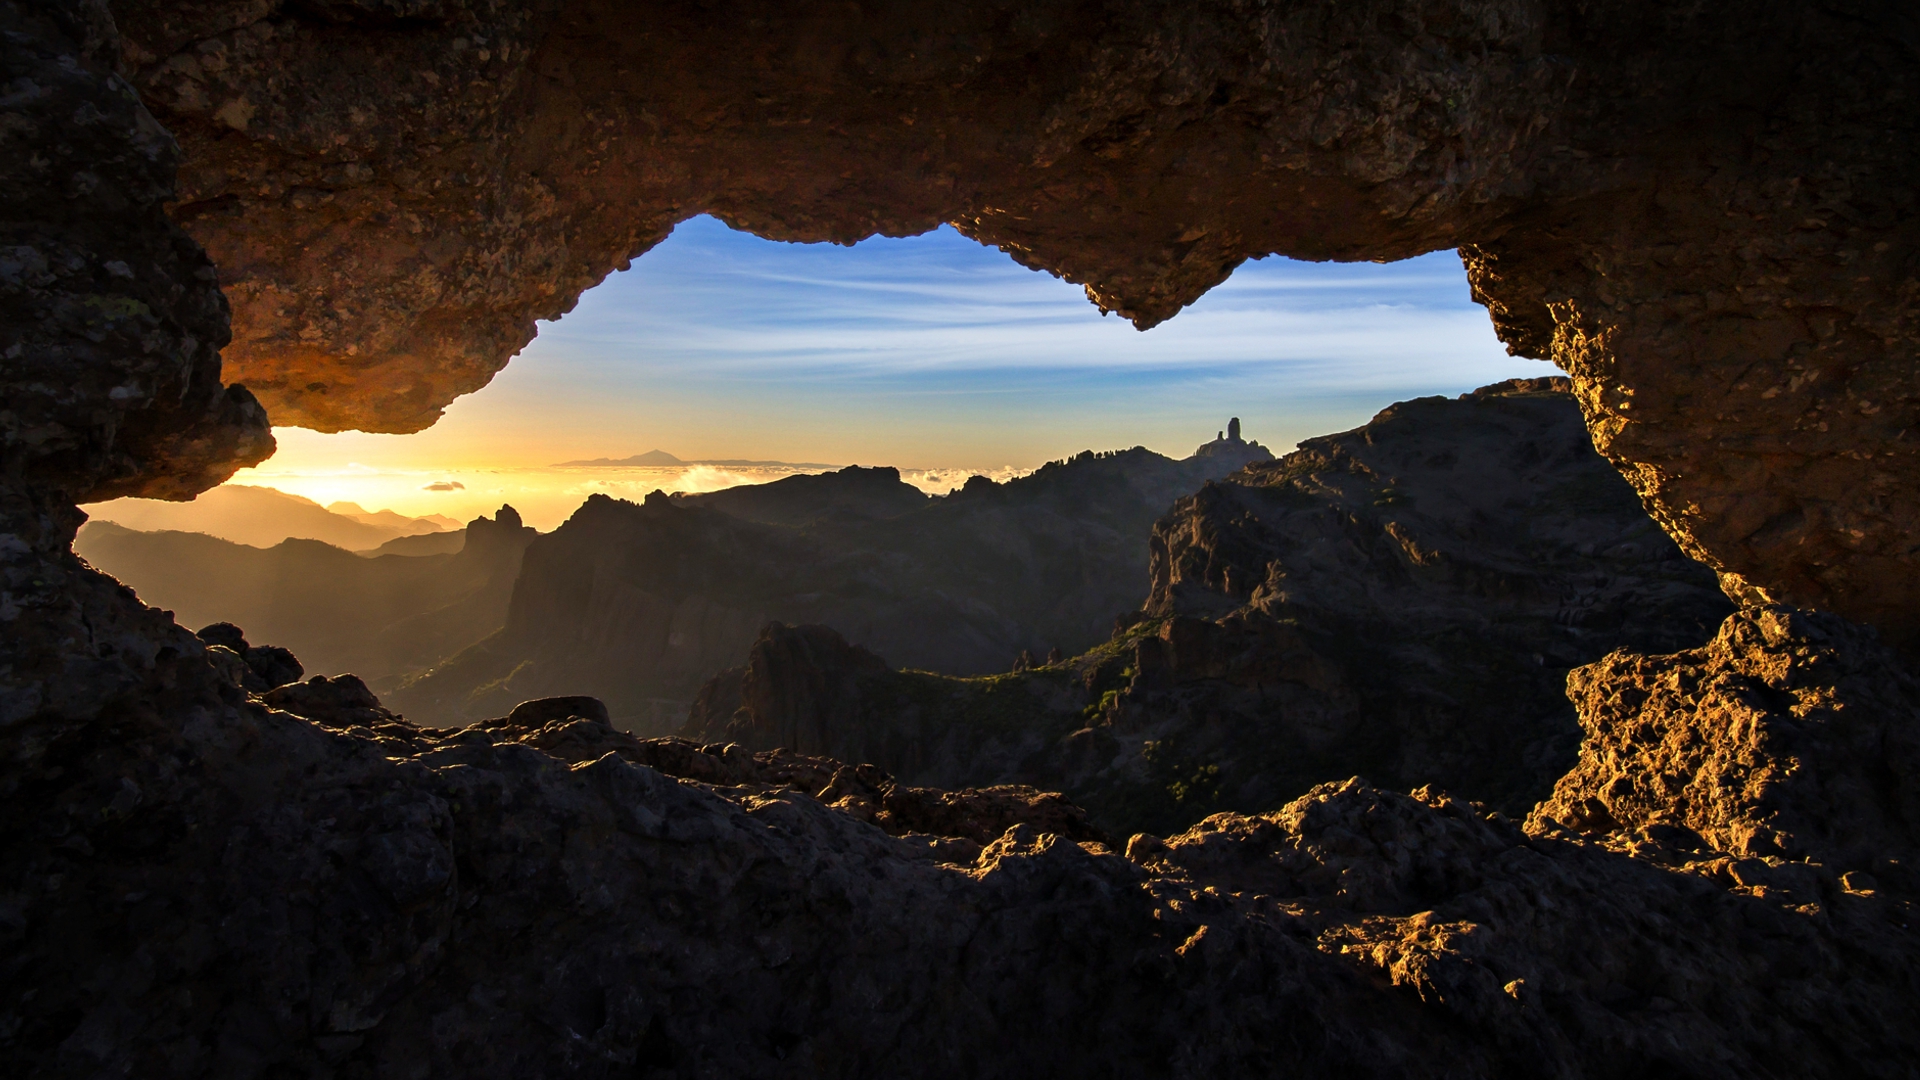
{"x":1704,"y":216}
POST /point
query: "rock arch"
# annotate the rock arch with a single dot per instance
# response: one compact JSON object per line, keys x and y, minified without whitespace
{"x":1705,"y":217}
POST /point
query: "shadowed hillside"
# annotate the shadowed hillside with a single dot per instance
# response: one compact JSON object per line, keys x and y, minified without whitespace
{"x":1402,"y":601}
{"x":377,"y":617}
{"x":262,"y":517}
{"x":640,"y":603}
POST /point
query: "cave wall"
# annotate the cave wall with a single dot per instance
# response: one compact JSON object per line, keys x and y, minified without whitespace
{"x":111,"y":324}
{"x":1704,"y":215}
{"x":393,"y":203}
{"x":111,"y":318}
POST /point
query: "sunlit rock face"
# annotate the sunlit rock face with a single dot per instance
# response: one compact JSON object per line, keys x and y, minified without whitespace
{"x":1704,"y":215}
{"x":1789,"y":739}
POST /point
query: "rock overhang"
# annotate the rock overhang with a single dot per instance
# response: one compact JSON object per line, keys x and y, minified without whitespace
{"x":1723,"y":259}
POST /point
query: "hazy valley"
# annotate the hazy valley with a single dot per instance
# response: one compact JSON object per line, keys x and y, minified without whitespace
{"x":262,"y":517}
{"x":1159,"y":639}
{"x":381,"y":614}
{"x":641,"y":603}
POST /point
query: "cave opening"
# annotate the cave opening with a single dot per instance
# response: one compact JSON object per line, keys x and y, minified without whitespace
{"x":933,"y":354}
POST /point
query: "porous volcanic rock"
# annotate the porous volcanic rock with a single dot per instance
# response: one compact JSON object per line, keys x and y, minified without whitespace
{"x":202,"y":883}
{"x":1403,"y":600}
{"x":111,"y":319}
{"x":1571,"y":959}
{"x":1790,"y":740}
{"x":267,"y":666}
{"x":1704,"y":214}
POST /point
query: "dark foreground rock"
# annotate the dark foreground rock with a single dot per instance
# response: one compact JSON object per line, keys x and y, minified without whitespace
{"x":1403,"y":600}
{"x":261,"y":667}
{"x":200,"y":885}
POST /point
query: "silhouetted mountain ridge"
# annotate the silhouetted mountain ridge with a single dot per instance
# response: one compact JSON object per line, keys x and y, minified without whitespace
{"x":638,"y":604}
{"x":799,"y":500}
{"x":262,"y":517}
{"x":378,"y":617}
{"x":660,"y":459}
{"x":1402,"y":601}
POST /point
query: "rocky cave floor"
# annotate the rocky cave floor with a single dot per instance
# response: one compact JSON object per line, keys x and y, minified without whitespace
{"x":207,"y":880}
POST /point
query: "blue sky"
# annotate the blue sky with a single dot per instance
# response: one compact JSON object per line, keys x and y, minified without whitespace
{"x":936,"y":352}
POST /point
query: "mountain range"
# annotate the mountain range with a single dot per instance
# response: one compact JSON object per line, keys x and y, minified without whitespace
{"x":379,"y":615}
{"x":1403,"y":600}
{"x":262,"y":517}
{"x":1157,"y":638}
{"x":639,"y":604}
{"x":662,"y":459}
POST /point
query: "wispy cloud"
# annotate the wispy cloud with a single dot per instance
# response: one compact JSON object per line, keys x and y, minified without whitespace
{"x":940,"y":307}
{"x":936,"y":353}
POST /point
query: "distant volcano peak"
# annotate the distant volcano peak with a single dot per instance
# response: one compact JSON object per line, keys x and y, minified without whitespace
{"x":651,"y":457}
{"x":660,"y":459}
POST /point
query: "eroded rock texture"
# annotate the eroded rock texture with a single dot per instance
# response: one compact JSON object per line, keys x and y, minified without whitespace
{"x":111,"y":319}
{"x":1705,"y":215}
{"x":1791,"y":738}
{"x":388,"y":248}
{"x":204,"y":883}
